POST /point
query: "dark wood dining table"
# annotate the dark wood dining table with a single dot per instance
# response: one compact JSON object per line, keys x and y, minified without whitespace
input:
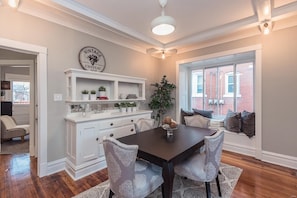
{"x":166,"y":151}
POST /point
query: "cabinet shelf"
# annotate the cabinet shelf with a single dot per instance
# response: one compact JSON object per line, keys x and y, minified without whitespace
{"x":103,"y":101}
{"x":78,"y":80}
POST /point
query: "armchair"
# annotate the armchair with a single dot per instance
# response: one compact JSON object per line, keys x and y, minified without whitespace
{"x":9,"y":129}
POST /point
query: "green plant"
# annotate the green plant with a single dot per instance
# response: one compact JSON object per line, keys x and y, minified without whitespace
{"x":85,"y":91}
{"x":102,"y":88}
{"x":123,"y":104}
{"x":117,"y":105}
{"x":161,"y":99}
{"x":93,"y":91}
{"x":133,"y":104}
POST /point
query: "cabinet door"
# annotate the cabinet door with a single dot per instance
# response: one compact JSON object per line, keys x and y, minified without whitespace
{"x":88,"y":142}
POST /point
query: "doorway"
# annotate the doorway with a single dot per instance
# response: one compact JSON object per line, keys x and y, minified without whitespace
{"x":20,"y":96}
{"x":40,"y":113}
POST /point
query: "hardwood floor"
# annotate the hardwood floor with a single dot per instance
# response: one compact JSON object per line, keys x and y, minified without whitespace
{"x":258,"y":179}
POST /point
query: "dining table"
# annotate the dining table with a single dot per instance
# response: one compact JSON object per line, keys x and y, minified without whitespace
{"x":164,"y":150}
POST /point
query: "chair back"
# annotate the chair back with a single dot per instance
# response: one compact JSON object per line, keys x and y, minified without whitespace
{"x":120,"y":160}
{"x":8,"y":122}
{"x":213,"y":151}
{"x":144,"y":124}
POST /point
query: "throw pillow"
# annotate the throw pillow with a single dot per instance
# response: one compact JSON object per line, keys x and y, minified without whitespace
{"x":183,"y":114}
{"x":204,"y":113}
{"x":248,"y":123}
{"x":197,"y":121}
{"x":232,"y":121}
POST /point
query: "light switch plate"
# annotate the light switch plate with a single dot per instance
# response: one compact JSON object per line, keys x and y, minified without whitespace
{"x":58,"y":97}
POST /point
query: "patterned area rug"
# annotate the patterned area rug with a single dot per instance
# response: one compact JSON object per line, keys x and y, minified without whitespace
{"x":15,"y":146}
{"x":182,"y":188}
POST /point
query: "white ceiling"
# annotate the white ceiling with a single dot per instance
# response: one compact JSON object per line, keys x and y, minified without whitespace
{"x":197,"y":21}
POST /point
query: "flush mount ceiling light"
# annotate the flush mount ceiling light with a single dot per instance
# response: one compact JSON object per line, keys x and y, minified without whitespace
{"x":163,"y":25}
{"x":13,"y":3}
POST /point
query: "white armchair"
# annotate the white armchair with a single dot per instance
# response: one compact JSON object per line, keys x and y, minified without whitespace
{"x":9,"y":129}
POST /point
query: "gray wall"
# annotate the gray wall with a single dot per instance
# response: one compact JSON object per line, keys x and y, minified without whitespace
{"x":63,"y":46}
{"x":279,"y":73}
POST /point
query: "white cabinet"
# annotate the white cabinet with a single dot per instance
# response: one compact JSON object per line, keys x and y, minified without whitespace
{"x":84,"y":149}
{"x":78,"y":80}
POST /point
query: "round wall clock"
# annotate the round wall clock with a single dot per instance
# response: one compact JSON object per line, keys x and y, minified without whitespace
{"x":90,"y":58}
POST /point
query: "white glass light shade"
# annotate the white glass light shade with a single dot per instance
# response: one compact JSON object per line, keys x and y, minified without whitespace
{"x":163,"y":25}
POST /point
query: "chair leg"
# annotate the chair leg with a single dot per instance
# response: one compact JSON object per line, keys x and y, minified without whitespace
{"x":110,"y":193}
{"x":207,"y":185}
{"x":218,"y":185}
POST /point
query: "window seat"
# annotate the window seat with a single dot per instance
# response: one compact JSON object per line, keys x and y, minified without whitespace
{"x":235,"y":142}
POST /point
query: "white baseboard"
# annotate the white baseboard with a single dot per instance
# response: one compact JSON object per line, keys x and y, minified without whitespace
{"x":280,"y":159}
{"x":56,"y":166}
{"x":237,"y":148}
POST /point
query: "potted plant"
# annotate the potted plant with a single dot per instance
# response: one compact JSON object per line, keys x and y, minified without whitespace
{"x":93,"y":95}
{"x":102,"y":91}
{"x":134,"y":106}
{"x":85,"y":94}
{"x":123,"y":107}
{"x":161,"y":99}
{"x":129,"y":107}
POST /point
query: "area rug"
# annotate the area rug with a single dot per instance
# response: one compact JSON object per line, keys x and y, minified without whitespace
{"x":182,"y":188}
{"x":15,"y":146}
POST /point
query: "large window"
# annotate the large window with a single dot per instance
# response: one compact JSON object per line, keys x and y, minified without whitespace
{"x":223,"y":83}
{"x":20,"y":92}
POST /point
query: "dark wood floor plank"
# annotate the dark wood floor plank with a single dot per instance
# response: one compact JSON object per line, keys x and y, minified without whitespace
{"x":258,"y":179}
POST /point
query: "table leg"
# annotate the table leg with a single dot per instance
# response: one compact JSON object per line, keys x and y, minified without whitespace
{"x":168,"y":176}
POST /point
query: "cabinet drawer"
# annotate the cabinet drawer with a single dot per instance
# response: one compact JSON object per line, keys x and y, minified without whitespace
{"x":118,"y":122}
{"x":116,"y":133}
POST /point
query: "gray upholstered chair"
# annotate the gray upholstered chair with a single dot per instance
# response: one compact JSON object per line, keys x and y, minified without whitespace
{"x":128,"y":177}
{"x":204,"y":167}
{"x":144,"y":124}
{"x":9,"y":129}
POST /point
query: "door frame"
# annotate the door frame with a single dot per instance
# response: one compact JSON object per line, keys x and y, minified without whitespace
{"x":41,"y":84}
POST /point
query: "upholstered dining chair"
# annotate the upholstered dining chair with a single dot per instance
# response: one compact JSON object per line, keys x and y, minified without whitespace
{"x":128,"y":177}
{"x":204,"y":167}
{"x":144,"y":124}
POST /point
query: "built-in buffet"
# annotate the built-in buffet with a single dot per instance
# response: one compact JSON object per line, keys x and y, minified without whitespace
{"x":86,"y":129}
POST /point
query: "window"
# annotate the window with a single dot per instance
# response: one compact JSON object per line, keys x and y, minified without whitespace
{"x":229,"y":85}
{"x":214,"y":86}
{"x":20,"y":92}
{"x":197,"y":84}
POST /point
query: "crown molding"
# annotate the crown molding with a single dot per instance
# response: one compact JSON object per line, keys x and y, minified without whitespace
{"x":87,"y":21}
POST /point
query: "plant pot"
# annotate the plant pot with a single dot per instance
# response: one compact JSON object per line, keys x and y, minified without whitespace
{"x":123,"y":109}
{"x":129,"y":109}
{"x":93,"y":96}
{"x":85,"y":96}
{"x":102,"y":93}
{"x":134,"y":109}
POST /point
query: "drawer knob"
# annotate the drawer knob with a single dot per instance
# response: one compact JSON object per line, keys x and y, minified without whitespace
{"x":132,"y":120}
{"x":132,"y":130}
{"x":97,"y":139}
{"x":111,"y":135}
{"x":111,"y":124}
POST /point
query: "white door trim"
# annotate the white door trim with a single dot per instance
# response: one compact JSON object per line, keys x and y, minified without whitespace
{"x":41,"y":73}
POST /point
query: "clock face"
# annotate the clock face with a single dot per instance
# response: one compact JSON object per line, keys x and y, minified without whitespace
{"x":92,"y":59}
